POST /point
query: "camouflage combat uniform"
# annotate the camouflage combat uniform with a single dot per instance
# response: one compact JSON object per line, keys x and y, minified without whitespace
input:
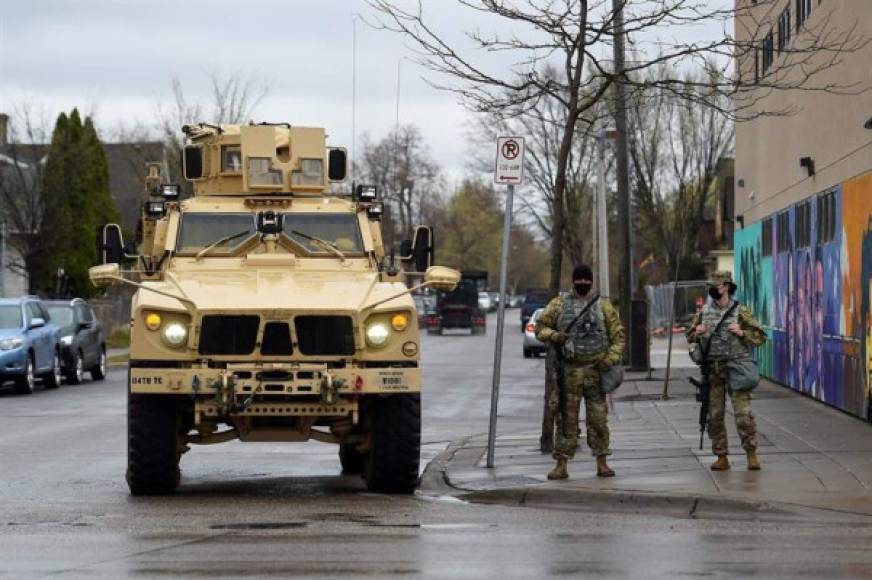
{"x":727,"y":346}
{"x":598,"y":341}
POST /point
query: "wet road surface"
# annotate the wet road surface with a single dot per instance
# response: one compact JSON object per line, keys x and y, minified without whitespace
{"x":282,"y":510}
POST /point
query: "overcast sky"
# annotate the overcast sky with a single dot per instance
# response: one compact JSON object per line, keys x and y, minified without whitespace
{"x":115,"y":59}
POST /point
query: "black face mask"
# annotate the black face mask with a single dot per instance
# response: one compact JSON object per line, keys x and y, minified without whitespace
{"x":583,"y":288}
{"x":714,"y":293}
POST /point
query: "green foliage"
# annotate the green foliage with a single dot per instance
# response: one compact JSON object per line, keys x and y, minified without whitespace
{"x":76,"y":203}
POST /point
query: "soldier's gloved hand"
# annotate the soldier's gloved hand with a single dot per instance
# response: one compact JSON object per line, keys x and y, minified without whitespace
{"x":559,"y":338}
{"x":603,"y":364}
{"x":568,"y":350}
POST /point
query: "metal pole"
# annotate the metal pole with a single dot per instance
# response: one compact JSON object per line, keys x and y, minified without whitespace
{"x":623,"y":172}
{"x":501,"y":312}
{"x":602,"y":225}
{"x":2,"y":259}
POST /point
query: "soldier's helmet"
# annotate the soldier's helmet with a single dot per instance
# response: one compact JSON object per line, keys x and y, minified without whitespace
{"x":720,"y":277}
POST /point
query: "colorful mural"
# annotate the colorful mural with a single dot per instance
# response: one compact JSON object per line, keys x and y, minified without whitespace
{"x":813,"y":296}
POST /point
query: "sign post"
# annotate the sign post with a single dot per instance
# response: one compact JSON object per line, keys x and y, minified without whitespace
{"x":509,"y":170}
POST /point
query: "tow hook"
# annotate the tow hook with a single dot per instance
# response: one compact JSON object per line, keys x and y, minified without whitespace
{"x":330,"y":389}
{"x":225,"y":395}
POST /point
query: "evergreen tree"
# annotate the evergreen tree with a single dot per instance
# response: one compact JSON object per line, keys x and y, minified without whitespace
{"x":77,"y":202}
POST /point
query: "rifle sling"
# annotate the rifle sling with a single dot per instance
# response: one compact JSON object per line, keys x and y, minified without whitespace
{"x":726,"y":315}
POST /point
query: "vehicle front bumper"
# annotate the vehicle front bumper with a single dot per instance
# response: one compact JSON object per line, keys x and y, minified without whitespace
{"x":12,"y":362}
{"x":276,"y":379}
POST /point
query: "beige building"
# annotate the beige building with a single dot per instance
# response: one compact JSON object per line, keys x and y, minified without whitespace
{"x":824,"y":126}
{"x":803,"y":201}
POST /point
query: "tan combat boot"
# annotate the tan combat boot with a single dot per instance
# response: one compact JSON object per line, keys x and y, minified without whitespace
{"x":602,"y":468}
{"x":559,"y":471}
{"x":722,"y":464}
{"x":753,"y":462}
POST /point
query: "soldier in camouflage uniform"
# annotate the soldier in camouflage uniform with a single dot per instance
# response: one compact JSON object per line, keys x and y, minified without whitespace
{"x":739,"y":332}
{"x":592,"y":345}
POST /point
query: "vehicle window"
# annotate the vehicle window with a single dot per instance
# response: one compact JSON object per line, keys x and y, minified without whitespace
{"x":536,"y":298}
{"x":200,"y":230}
{"x":340,"y":229}
{"x":10,"y":316}
{"x":33,"y":311}
{"x":43,"y":312}
{"x":61,"y":315}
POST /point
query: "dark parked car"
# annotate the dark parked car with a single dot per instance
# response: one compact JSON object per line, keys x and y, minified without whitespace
{"x":533,"y":301}
{"x":29,"y":344}
{"x":461,"y":308}
{"x":83,"y":342}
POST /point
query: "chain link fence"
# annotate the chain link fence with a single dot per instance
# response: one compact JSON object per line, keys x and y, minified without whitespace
{"x":684,"y":297}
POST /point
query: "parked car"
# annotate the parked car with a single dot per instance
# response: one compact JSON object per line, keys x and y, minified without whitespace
{"x":532,"y":345}
{"x":534,"y":300}
{"x":485,"y":302}
{"x":515,"y":301}
{"x":495,"y":300}
{"x":83,"y":341}
{"x":424,"y":304}
{"x":29,"y":344}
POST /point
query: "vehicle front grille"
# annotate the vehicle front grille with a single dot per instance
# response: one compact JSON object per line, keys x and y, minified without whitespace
{"x":228,"y":334}
{"x":276,"y":339}
{"x":325,"y":335}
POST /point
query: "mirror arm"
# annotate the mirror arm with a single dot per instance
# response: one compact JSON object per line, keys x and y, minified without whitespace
{"x":403,"y":293}
{"x":186,"y":302}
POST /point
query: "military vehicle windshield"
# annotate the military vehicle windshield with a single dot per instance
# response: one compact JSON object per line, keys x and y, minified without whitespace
{"x":341,"y":230}
{"x":10,"y":316}
{"x":201,"y":230}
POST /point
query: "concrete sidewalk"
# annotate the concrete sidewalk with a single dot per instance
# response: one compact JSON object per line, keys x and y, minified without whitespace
{"x":812,"y":456}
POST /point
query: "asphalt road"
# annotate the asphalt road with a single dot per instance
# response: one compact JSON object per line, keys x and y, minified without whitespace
{"x":283,"y":510}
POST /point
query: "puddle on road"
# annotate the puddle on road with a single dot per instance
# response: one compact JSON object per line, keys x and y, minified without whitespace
{"x":260,"y":526}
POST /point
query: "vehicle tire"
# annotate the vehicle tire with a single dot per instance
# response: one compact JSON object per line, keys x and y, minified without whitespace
{"x":98,"y":373}
{"x":53,"y":379}
{"x":153,"y":449}
{"x":77,"y":374}
{"x":353,"y":461}
{"x":26,"y":383}
{"x":528,"y":353}
{"x":395,"y":447}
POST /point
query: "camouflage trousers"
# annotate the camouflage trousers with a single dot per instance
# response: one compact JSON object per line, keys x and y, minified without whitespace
{"x":717,"y":428}
{"x":582,"y":383}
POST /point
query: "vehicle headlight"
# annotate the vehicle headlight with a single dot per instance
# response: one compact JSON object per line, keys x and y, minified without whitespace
{"x":175,"y":334}
{"x":10,"y":343}
{"x":377,"y":334}
{"x":67,"y":340}
{"x":399,"y":322}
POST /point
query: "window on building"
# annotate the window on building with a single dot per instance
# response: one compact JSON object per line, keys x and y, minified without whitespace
{"x":767,"y":237}
{"x":784,"y":30}
{"x":803,"y":9}
{"x":826,"y":217}
{"x":803,"y":225}
{"x":782,"y":233}
{"x":768,"y":49}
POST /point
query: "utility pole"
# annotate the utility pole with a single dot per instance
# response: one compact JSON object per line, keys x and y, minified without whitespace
{"x":2,"y":259}
{"x":602,"y":241}
{"x":625,"y":207}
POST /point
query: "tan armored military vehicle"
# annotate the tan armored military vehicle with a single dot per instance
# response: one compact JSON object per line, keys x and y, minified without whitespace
{"x":268,"y":310}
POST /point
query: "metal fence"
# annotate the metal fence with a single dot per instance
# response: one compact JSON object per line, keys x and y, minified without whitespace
{"x":685,"y":297}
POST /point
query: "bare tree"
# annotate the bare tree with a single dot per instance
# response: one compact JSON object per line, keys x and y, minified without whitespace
{"x":676,"y":147}
{"x":401,"y":166}
{"x":233,"y":99}
{"x":23,"y":207}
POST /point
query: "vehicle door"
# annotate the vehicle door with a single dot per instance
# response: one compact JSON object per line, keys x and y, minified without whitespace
{"x":88,"y":333}
{"x":39,"y":338}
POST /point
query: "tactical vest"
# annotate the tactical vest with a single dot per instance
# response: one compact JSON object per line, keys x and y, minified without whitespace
{"x":725,"y":345}
{"x":589,"y":335}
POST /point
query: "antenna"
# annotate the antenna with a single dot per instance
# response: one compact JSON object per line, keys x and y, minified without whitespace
{"x":353,"y":98}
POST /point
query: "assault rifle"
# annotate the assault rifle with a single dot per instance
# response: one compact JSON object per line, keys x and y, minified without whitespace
{"x":703,"y":388}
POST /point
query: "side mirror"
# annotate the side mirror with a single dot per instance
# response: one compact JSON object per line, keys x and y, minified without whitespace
{"x":83,"y":325}
{"x":105,"y":275}
{"x":192,"y":162}
{"x":36,"y":323}
{"x":423,"y":248}
{"x":441,"y":278}
{"x":110,"y":245}
{"x":337,"y":164}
